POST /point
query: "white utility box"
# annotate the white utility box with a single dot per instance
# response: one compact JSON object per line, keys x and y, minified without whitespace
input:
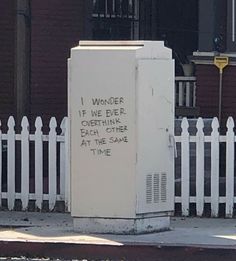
{"x":121,"y":110}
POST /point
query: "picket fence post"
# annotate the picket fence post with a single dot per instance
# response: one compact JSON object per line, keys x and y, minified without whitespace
{"x":38,"y":163}
{"x":52,"y":160}
{"x":215,"y":154}
{"x":200,"y":167}
{"x":11,"y":163}
{"x":229,"y":168}
{"x":185,"y":158}
{"x":25,"y":163}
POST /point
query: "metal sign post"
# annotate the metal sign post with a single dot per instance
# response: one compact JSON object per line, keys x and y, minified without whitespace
{"x":220,"y":62}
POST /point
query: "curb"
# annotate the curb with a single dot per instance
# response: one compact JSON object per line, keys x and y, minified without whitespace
{"x":121,"y":253}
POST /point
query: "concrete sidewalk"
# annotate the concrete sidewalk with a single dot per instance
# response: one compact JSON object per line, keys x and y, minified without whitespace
{"x":52,"y":229}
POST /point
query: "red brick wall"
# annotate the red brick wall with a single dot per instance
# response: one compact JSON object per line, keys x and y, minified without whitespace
{"x":208,"y":91}
{"x":7,"y":34}
{"x":229,"y":92}
{"x":57,"y":26}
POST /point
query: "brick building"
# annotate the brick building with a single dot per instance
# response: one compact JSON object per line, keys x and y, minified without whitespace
{"x":36,"y":37}
{"x":216,"y":38}
{"x":7,"y":35}
{"x":35,"y":41}
{"x":56,"y":26}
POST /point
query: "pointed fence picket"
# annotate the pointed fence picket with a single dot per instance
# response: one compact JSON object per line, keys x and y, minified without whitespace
{"x":200,"y":167}
{"x":185,"y":167}
{"x":52,"y":162}
{"x":229,"y":168}
{"x":221,"y":146}
{"x":33,"y":184}
{"x":38,"y":163}
{"x":11,"y":163}
{"x":25,"y":163}
{"x":215,"y":161}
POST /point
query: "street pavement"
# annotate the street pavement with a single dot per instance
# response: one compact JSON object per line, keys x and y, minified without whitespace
{"x":51,"y":235}
{"x":58,"y":228}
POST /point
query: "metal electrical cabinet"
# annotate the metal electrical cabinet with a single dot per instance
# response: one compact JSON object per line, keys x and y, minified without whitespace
{"x":121,"y":110}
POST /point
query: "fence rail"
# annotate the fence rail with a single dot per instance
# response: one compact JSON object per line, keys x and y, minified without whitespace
{"x":206,"y":172}
{"x":33,"y":165}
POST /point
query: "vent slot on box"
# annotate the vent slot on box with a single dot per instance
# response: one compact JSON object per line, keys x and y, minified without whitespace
{"x":149,"y":189}
{"x":163,"y":187}
{"x":156,"y":188}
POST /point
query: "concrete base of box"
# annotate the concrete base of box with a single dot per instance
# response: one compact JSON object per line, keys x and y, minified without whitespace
{"x":121,"y":226}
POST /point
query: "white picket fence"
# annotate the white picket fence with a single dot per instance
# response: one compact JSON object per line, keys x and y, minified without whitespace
{"x":200,"y":141}
{"x":56,"y":146}
{"x":199,"y":156}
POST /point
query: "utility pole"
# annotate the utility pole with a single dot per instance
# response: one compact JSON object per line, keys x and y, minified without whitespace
{"x":22,"y":59}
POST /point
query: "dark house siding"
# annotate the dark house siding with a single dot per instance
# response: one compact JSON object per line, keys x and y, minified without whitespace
{"x":57,"y":26}
{"x":7,"y":29}
{"x":215,"y":17}
{"x":208,"y":91}
{"x":229,"y":92}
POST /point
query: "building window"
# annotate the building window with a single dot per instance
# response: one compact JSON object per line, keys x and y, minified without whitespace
{"x":115,"y":19}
